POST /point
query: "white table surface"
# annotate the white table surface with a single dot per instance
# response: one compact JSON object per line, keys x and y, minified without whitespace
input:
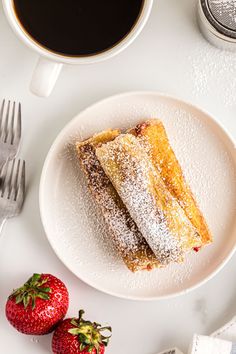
{"x":169,"y":56}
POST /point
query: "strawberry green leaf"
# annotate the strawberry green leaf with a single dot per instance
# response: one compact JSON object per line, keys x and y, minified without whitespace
{"x":43,"y":296}
{"x":32,"y":289}
{"x":19,"y":298}
{"x":73,"y":331}
{"x":89,"y":333}
{"x":25,"y":301}
{"x":33,"y":302}
{"x":35,"y":278}
{"x":74,"y":322}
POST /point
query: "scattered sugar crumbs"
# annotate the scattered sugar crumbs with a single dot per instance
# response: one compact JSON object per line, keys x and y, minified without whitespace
{"x":210,"y":67}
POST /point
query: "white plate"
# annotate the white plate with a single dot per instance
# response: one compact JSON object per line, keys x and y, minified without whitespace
{"x":76,"y":232}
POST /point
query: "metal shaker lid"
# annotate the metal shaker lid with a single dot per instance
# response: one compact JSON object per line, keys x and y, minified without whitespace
{"x":224,"y":12}
{"x":222,"y":15}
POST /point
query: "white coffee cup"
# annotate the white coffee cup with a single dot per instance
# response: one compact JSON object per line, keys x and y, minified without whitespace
{"x":50,"y":64}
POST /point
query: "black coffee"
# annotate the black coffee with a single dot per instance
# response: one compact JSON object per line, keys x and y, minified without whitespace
{"x":78,"y":27}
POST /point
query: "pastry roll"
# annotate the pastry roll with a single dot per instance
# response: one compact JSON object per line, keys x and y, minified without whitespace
{"x":155,"y":211}
{"x":153,"y":136}
{"x":129,"y":242}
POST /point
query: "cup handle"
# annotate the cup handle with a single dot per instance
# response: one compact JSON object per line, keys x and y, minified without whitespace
{"x":44,"y":77}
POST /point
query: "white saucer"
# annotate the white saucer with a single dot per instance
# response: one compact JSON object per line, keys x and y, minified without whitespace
{"x":75,"y":231}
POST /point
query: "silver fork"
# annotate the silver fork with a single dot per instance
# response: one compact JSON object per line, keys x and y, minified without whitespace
{"x":10,"y":131}
{"x":12,"y":191}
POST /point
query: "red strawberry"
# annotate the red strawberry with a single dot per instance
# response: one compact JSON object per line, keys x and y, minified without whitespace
{"x":77,"y":336}
{"x":38,"y":305}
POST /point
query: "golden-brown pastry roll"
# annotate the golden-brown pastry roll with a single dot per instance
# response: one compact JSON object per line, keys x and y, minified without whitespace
{"x":128,"y":240}
{"x":155,"y":211}
{"x":153,"y":136}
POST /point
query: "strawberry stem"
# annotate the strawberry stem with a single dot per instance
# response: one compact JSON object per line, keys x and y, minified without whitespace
{"x":89,"y":333}
{"x":32,"y":289}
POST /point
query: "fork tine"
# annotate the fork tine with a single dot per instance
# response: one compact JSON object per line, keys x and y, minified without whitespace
{"x":13,"y":180}
{"x":13,"y":192}
{"x":5,"y":129}
{"x":17,"y":134}
{"x":1,"y":116}
{"x":10,"y":123}
{"x":10,"y":183}
{"x":15,"y":183}
{"x":20,"y":190}
{"x":5,"y":174}
{"x":16,"y":175}
{"x":10,"y":135}
{"x":3,"y":177}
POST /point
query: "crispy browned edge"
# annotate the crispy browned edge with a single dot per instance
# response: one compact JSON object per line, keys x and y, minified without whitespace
{"x":141,"y":260}
{"x":176,"y":220}
{"x":164,"y":159}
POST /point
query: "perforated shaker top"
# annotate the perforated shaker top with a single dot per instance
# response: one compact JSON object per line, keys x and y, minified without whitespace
{"x":224,"y":11}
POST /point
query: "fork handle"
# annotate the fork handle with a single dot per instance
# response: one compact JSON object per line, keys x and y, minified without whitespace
{"x":2,"y":222}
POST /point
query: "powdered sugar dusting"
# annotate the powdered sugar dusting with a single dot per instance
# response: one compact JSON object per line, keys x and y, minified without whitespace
{"x":158,"y":216}
{"x":121,"y":228}
{"x":211,"y":67}
{"x":76,"y":229}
